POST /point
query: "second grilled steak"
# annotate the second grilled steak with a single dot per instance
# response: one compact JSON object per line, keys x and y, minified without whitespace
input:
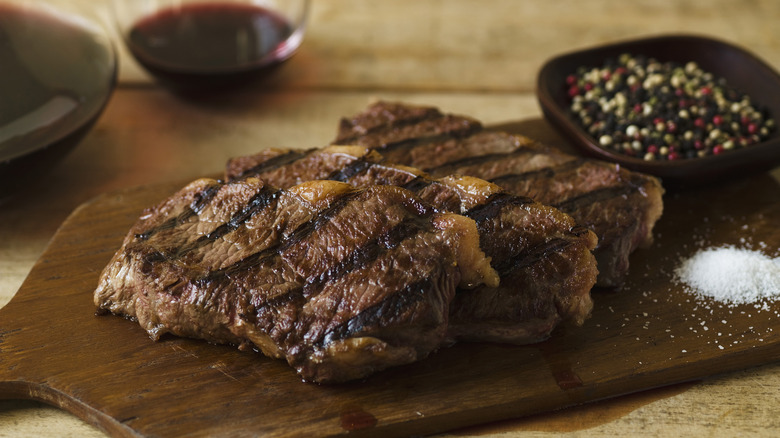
{"x":544,"y":259}
{"x":620,"y":206}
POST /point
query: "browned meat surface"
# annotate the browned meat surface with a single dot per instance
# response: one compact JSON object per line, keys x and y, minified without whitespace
{"x":340,"y":282}
{"x":620,"y":206}
{"x":544,"y":259}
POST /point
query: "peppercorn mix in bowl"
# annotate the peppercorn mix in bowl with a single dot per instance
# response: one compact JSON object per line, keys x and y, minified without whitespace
{"x":688,"y":109}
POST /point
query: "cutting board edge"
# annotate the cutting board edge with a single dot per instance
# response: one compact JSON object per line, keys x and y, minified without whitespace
{"x":39,"y":392}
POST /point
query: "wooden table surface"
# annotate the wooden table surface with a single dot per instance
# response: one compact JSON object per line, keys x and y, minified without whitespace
{"x":468,"y":57}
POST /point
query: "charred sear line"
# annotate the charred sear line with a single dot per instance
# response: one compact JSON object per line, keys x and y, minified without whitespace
{"x":494,"y":204}
{"x":415,"y":142}
{"x":301,"y":232}
{"x":368,"y":252}
{"x":307,"y":228}
{"x":349,"y":171}
{"x":212,"y":280}
{"x":532,"y":256}
{"x":595,"y":196}
{"x":260,"y":201}
{"x":542,"y":173}
{"x":373,"y":316}
{"x":253,"y":313}
{"x":396,"y":123}
{"x":417,"y":184}
{"x":150,"y":259}
{"x":202,"y":198}
{"x":275,"y":163}
{"x":454,"y":165}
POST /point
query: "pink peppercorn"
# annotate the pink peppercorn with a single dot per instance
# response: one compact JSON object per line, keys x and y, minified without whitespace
{"x":718,"y":149}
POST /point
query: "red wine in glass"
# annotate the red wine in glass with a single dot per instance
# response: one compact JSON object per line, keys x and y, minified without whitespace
{"x":203,"y":46}
{"x":57,"y":74}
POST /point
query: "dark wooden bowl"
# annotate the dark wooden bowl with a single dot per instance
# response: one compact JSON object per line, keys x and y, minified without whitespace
{"x":741,"y":69}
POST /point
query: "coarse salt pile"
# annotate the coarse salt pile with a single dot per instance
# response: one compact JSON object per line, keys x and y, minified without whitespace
{"x":732,"y":275}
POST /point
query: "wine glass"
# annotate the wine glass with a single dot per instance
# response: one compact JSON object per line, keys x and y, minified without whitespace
{"x":201,"y":45}
{"x":59,"y":69}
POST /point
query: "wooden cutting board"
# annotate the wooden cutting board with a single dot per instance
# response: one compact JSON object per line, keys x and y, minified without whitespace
{"x":106,"y":370}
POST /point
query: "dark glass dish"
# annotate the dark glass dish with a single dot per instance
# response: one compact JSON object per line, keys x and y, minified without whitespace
{"x":741,"y":69}
{"x":59,"y":70}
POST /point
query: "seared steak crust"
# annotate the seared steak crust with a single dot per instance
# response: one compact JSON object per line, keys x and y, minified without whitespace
{"x":338,"y":281}
{"x":542,"y":256}
{"x":620,"y":206}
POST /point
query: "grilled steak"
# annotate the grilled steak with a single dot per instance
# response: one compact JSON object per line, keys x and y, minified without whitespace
{"x":338,"y":281}
{"x":620,"y":206}
{"x":544,"y":259}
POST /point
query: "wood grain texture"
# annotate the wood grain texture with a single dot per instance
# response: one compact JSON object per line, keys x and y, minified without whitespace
{"x":107,"y":371}
{"x":488,"y":46}
{"x":476,"y":58}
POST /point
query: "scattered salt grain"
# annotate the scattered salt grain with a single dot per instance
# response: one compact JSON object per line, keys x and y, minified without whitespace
{"x":732,"y":275}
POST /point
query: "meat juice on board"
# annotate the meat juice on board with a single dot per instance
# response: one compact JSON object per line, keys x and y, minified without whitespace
{"x":210,"y":44}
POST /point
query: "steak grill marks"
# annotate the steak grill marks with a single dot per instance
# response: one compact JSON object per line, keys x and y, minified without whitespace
{"x":264,"y":198}
{"x":202,"y":199}
{"x":300,"y":233}
{"x":540,"y":173}
{"x":449,"y":130}
{"x":276,"y":162}
{"x":372,"y":315}
{"x":492,"y":207}
{"x":452,"y":166}
{"x":412,"y":143}
{"x":349,"y":171}
{"x":400,"y":318}
{"x":418,"y":183}
{"x":532,"y":256}
{"x":641,"y":195}
{"x":596,"y":196}
{"x":428,"y":114}
{"x":356,"y":260}
{"x":367,"y":253}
